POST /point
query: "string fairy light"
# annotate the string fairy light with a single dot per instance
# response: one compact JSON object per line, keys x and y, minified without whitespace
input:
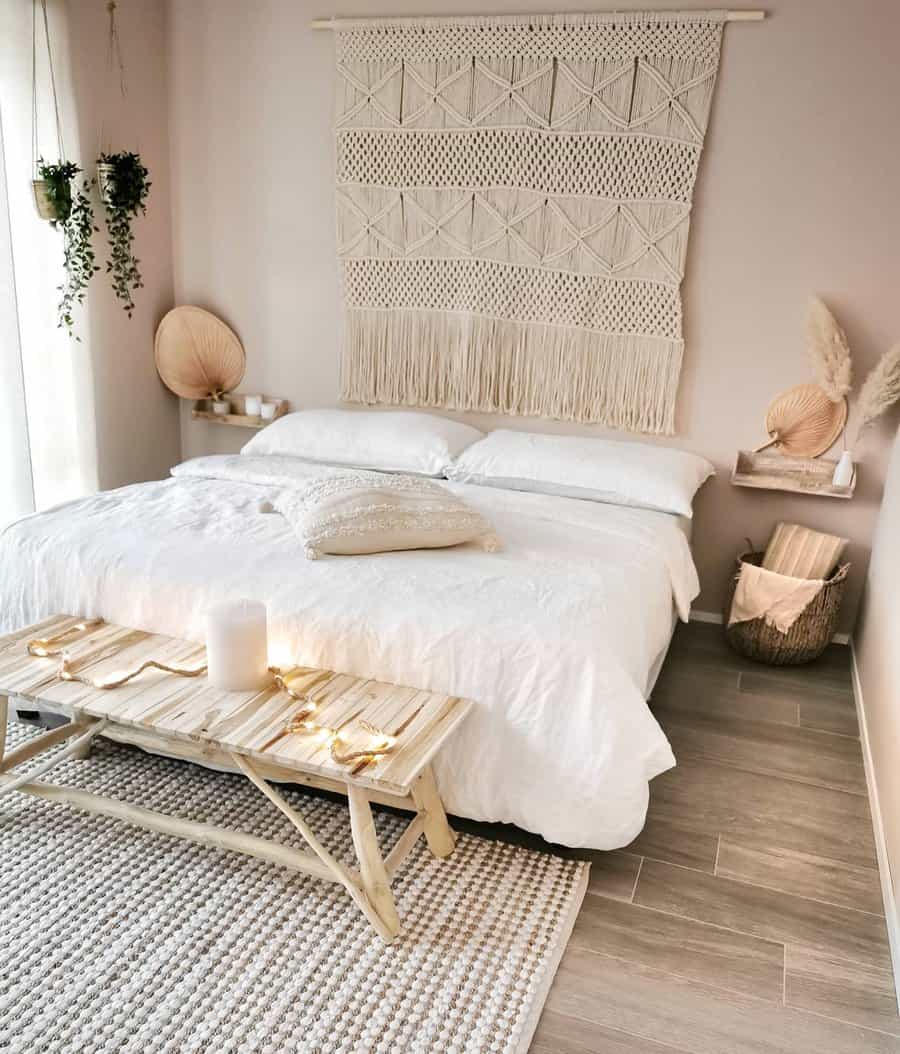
{"x":299,"y":724}
{"x":385,"y":745}
{"x":55,"y":646}
{"x":66,"y":673}
{"x":44,"y":647}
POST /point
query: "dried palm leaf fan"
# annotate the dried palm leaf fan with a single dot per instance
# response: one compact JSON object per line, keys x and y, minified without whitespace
{"x":804,"y":422}
{"x":197,"y":355}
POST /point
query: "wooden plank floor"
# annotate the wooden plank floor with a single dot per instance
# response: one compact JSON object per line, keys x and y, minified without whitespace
{"x":747,"y":917}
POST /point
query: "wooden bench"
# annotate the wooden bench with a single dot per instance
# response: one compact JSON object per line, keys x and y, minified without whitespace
{"x":369,"y":740}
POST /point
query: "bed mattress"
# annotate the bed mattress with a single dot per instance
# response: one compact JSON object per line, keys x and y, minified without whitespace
{"x":555,"y":637}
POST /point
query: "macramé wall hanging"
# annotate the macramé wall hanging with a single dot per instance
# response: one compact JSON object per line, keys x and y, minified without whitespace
{"x":513,"y":202}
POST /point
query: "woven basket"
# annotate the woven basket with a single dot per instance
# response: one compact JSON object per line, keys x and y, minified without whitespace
{"x":809,"y":636}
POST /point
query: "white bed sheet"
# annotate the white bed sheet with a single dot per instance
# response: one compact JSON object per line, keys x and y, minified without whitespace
{"x":555,"y":637}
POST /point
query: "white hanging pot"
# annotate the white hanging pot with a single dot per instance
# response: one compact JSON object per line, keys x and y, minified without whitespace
{"x":106,"y":181}
{"x":48,"y":207}
{"x":45,"y":205}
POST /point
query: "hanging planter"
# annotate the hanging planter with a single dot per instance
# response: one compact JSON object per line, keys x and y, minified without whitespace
{"x":58,"y":197}
{"x":51,"y":186}
{"x":124,"y":186}
{"x":68,"y":208}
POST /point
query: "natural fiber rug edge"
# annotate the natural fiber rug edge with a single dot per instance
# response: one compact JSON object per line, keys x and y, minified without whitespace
{"x":565,"y":935}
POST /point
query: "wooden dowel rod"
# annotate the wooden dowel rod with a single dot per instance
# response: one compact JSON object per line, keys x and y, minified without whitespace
{"x":191,"y":830}
{"x":32,"y":747}
{"x":361,"y":23}
{"x":13,"y":782}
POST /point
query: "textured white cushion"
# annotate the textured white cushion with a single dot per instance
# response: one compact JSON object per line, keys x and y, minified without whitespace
{"x":351,"y":513}
{"x":387,"y":442}
{"x":620,"y":473}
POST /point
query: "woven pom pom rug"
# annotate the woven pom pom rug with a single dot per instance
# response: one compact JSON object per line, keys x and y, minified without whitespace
{"x":118,"y":939}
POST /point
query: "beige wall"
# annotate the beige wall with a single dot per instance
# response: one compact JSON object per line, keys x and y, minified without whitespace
{"x":877,"y":641}
{"x":797,"y":194}
{"x":137,"y":432}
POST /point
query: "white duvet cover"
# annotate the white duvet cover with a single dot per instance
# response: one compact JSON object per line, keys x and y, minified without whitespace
{"x":553,"y":637}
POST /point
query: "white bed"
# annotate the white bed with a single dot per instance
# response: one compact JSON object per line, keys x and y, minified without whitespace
{"x":558,"y":637}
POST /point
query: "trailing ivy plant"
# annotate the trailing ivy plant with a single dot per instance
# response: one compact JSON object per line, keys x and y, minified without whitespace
{"x":74,"y":216}
{"x":124,"y":187}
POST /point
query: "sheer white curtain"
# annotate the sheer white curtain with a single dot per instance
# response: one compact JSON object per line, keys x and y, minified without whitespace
{"x":16,"y":485}
{"x":53,"y":371}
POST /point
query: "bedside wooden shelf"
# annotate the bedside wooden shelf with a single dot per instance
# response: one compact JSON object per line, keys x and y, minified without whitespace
{"x":798,"y":475}
{"x":203,"y":412}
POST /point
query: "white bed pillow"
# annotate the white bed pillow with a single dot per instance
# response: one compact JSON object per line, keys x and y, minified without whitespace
{"x":620,"y":473}
{"x":354,"y":513}
{"x":422,"y":444}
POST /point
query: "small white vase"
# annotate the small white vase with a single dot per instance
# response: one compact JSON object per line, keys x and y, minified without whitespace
{"x":843,"y":470}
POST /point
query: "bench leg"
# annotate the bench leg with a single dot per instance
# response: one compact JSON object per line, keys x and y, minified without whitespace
{"x":371,"y":863}
{"x":84,"y":751}
{"x":438,"y":833}
{"x":351,"y":880}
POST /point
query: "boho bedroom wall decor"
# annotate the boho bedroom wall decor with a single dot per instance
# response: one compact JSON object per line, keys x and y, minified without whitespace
{"x":513,"y":203}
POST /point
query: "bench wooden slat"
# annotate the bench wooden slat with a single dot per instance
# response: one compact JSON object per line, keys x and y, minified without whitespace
{"x":246,"y":723}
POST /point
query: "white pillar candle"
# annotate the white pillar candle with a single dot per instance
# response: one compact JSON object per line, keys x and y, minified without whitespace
{"x":267,"y":411}
{"x":237,"y":652}
{"x":252,"y":405}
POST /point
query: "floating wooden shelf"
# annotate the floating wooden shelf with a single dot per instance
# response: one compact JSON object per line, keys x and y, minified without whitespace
{"x":203,"y":412}
{"x":799,"y":475}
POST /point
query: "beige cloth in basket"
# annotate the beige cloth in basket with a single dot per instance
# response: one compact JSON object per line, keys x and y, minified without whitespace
{"x":779,"y":599}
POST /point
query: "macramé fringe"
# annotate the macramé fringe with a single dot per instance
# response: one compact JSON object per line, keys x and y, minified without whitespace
{"x":467,"y":362}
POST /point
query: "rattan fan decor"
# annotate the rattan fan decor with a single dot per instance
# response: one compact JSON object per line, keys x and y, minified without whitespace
{"x":197,"y":355}
{"x":804,"y":422}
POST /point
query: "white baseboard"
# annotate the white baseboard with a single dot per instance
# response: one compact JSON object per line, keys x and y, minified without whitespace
{"x":715,"y":618}
{"x":891,"y":915}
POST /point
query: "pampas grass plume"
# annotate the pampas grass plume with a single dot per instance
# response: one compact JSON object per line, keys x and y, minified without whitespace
{"x":829,"y":351}
{"x":880,"y":391}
